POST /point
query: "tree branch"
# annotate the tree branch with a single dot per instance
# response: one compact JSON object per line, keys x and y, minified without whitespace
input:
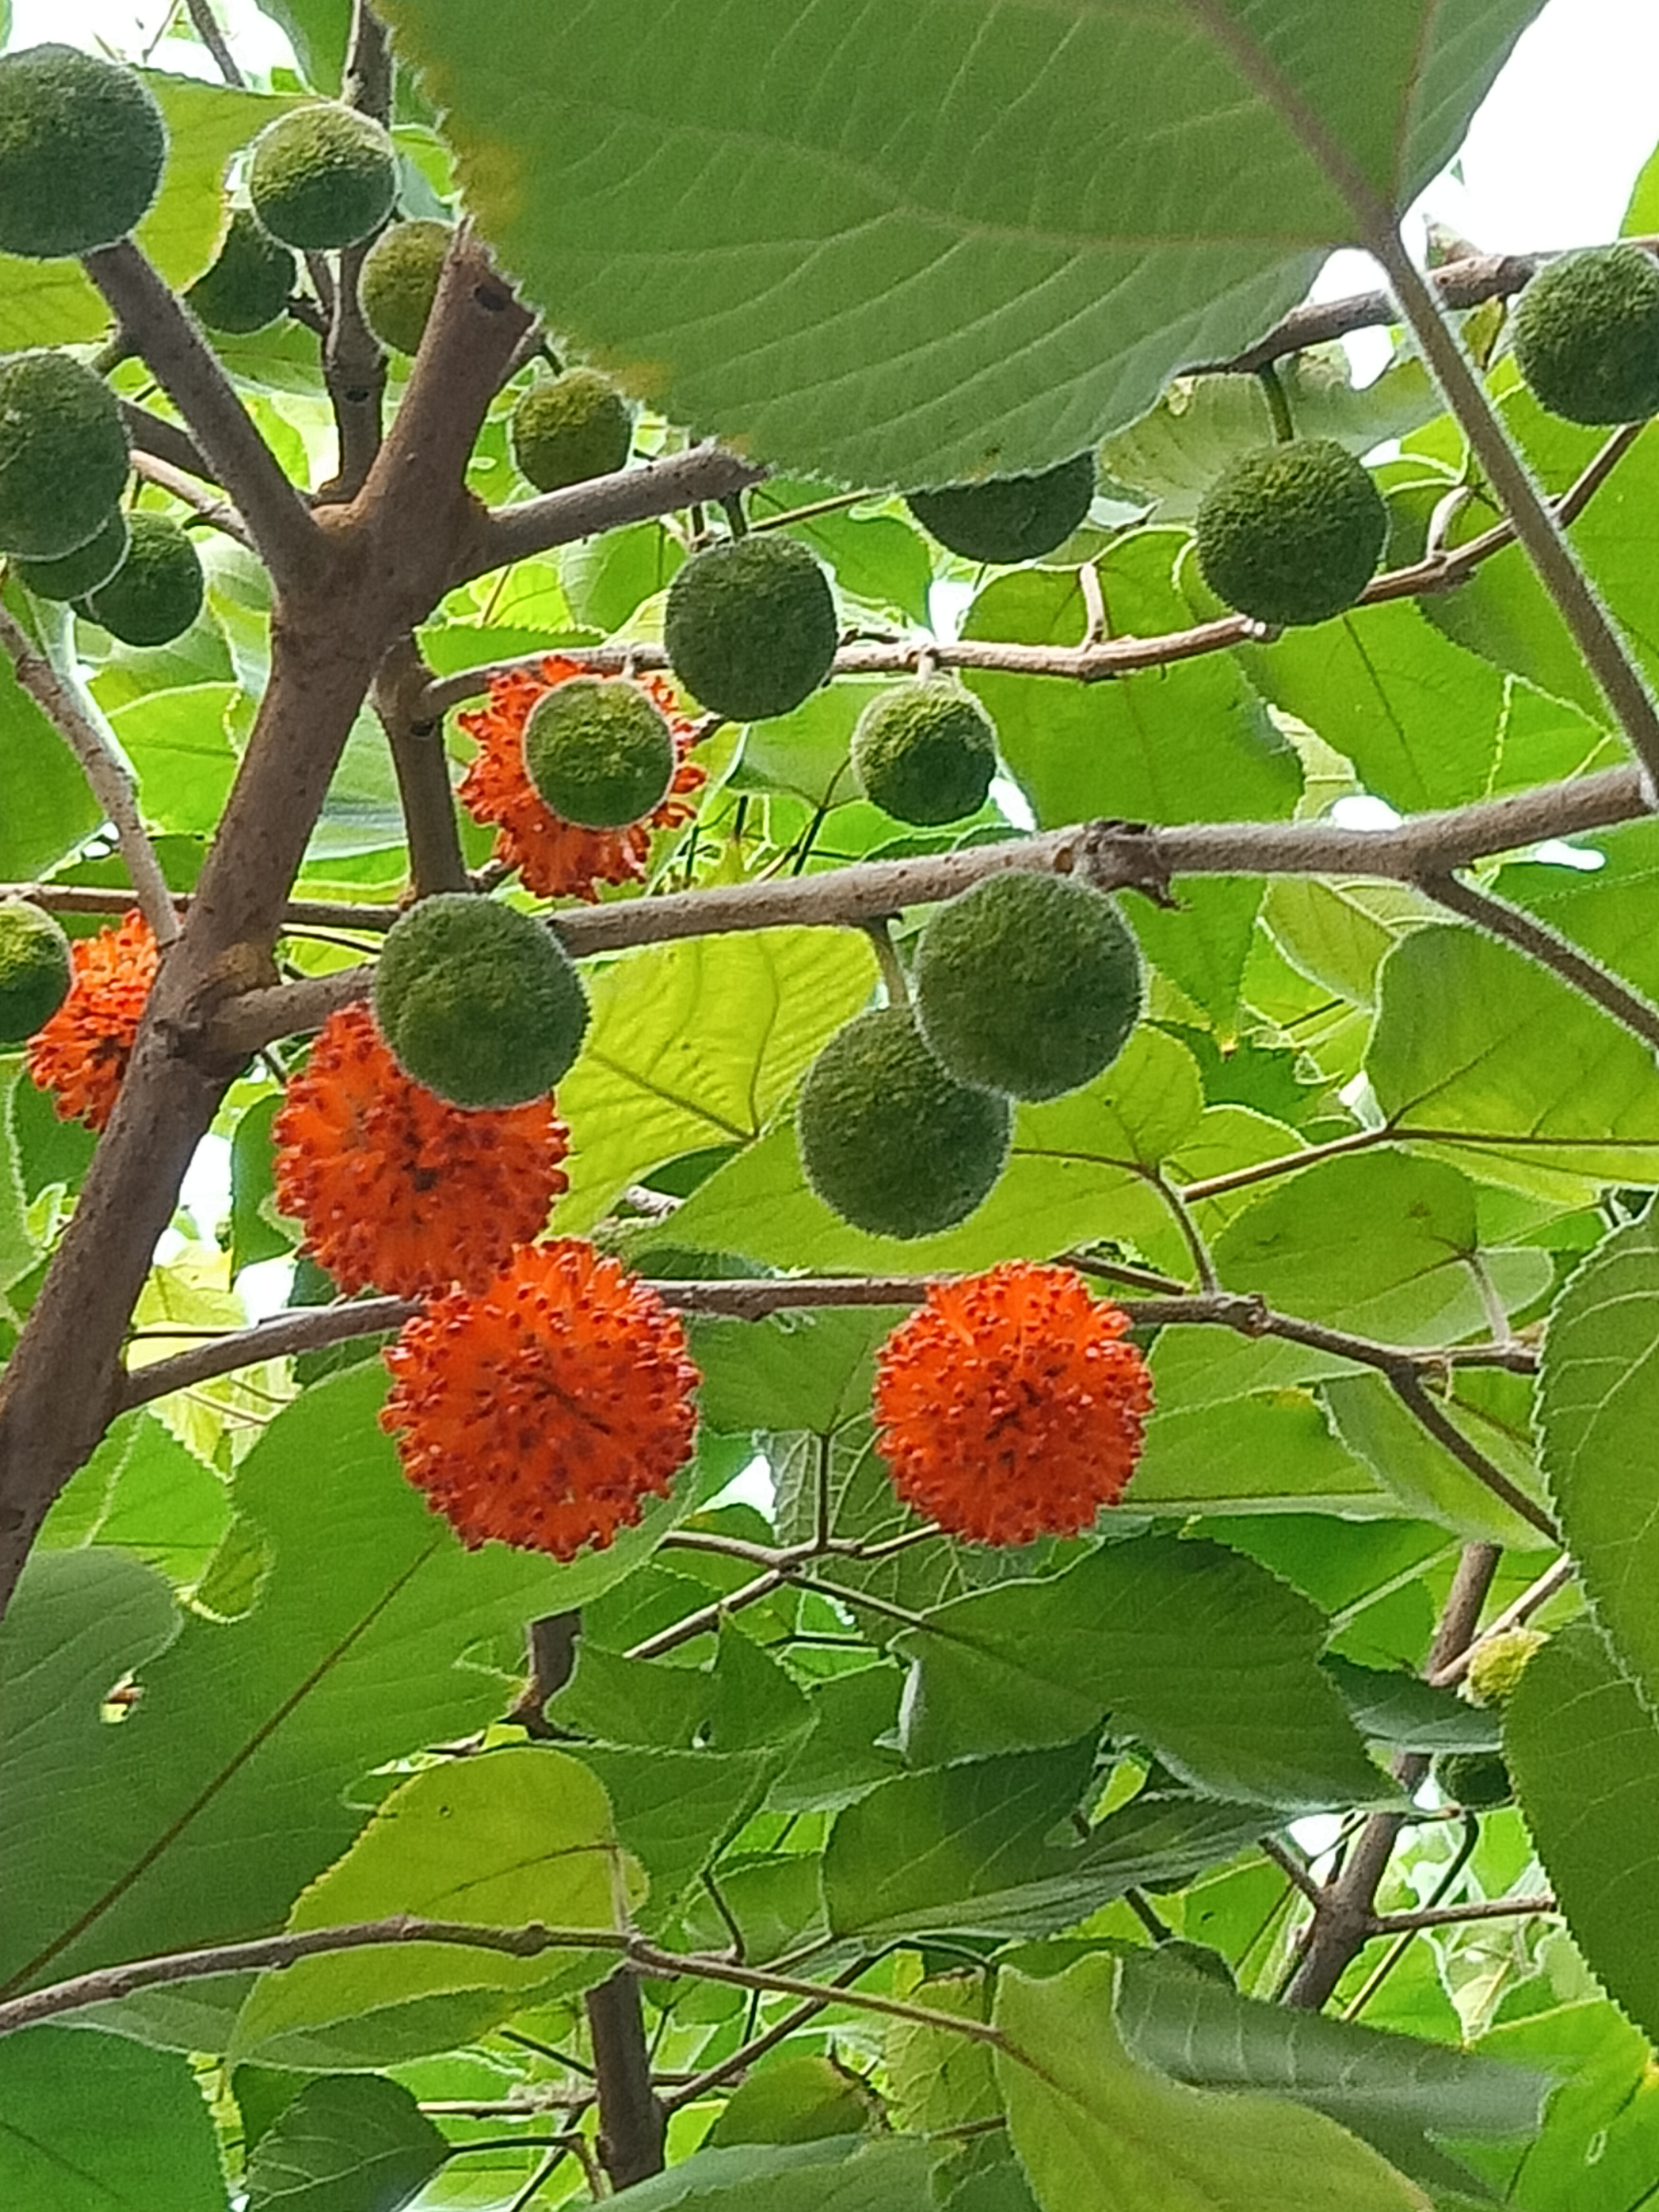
{"x":1452,"y":1916}
{"x":190,"y":492}
{"x":207,"y":30}
{"x":1531,"y":1601}
{"x":436,"y":862}
{"x":165,"y":440}
{"x":1539,"y":942}
{"x":633,"y":2122}
{"x":1409,"y":1389}
{"x":288,"y":541}
{"x":505,"y":534}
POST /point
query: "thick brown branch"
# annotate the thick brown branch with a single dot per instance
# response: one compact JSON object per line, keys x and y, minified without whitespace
{"x":633,"y":2122}
{"x":165,"y":440}
{"x":1515,"y":926}
{"x":559,"y":518}
{"x":1532,"y":1600}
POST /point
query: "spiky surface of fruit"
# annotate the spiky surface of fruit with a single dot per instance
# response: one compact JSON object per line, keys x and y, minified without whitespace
{"x":74,"y":574}
{"x":156,"y":592}
{"x":888,"y":1140}
{"x":251,"y":283}
{"x":751,"y":627}
{"x":34,"y":970}
{"x":1498,"y":1662}
{"x":63,"y":454}
{"x":1028,"y":983}
{"x":479,"y":1002}
{"x":569,"y":429}
{"x":599,"y":753}
{"x":1587,"y":335}
{"x":1292,"y":533}
{"x":82,"y":148}
{"x":926,"y":752}
{"x":323,"y":177}
{"x":1008,"y":519}
{"x":1478,"y":1781}
{"x":398,"y":281}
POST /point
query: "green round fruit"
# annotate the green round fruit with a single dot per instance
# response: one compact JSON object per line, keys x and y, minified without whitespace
{"x":156,"y":592}
{"x":599,"y":752}
{"x":323,"y":177}
{"x":751,"y":627}
{"x":251,"y":283}
{"x":34,"y":970}
{"x":74,"y":575}
{"x":1498,"y":1662}
{"x":1028,"y":983}
{"x":398,"y":281}
{"x":63,"y":454}
{"x":81,"y":147}
{"x":479,"y":1002}
{"x":888,"y":1140}
{"x":1008,"y":519}
{"x":570,"y":428}
{"x":1292,"y":533}
{"x":1587,"y":335}
{"x":926,"y":752}
{"x":1476,"y":1780}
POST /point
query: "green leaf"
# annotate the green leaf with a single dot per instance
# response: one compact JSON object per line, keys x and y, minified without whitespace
{"x":841,"y":2175}
{"x":696,"y":1044}
{"x":178,"y":743}
{"x":1095,"y":2132}
{"x":1172,"y":745}
{"x":800,"y":1370}
{"x":1202,"y":943}
{"x":976,"y":254}
{"x":144,"y":1491}
{"x":45,"y":808}
{"x":93,"y":2122}
{"x":1583,"y":1752}
{"x":515,"y":1835}
{"x":318,"y":31}
{"x":254,"y":1235}
{"x":1261,"y":1452}
{"x":348,"y":2143}
{"x":1408,"y":1714}
{"x":797,"y":2099}
{"x":1599,"y":2150}
{"x":1135,"y":1630}
{"x":1423,"y":1475}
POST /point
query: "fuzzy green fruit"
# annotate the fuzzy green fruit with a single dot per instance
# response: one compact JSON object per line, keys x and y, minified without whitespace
{"x":751,"y":627}
{"x":479,"y":1002}
{"x":74,"y":574}
{"x":1476,"y":1780}
{"x":889,"y":1140}
{"x":34,"y":970}
{"x":600,"y":753}
{"x":1292,"y":533}
{"x":1008,"y":519}
{"x":81,"y":147}
{"x":926,"y":752}
{"x":1587,"y":335}
{"x":1498,"y":1662}
{"x":251,"y":283}
{"x":1028,"y":983}
{"x":570,"y":428}
{"x":398,"y":281}
{"x":323,"y":177}
{"x":63,"y":455}
{"x":156,"y":592}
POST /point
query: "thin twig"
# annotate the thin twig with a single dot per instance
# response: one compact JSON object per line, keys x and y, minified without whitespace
{"x":1574,"y":967}
{"x":193,"y":494}
{"x":207,"y":30}
{"x":1416,"y":1399}
{"x":1531,"y":1601}
{"x":636,"y":495}
{"x":1451,"y":1915}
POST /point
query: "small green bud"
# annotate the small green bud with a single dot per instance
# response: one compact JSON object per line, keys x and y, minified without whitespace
{"x":926,"y":752}
{"x":323,"y":177}
{"x":570,"y":428}
{"x":599,"y":752}
{"x":751,"y":627}
{"x":1009,"y":518}
{"x":63,"y":454}
{"x":1478,"y":1781}
{"x":81,"y":148}
{"x":1587,"y":335}
{"x":74,"y":574}
{"x":156,"y":592}
{"x":250,"y":284}
{"x":1292,"y":533}
{"x":34,"y":970}
{"x":1498,"y":1662}
{"x":398,"y":281}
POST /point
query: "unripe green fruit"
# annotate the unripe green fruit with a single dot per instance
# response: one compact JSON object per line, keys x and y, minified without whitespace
{"x":82,"y":146}
{"x":398,"y":281}
{"x":63,"y":455}
{"x":1028,"y":983}
{"x":251,"y":283}
{"x":1496,"y":1664}
{"x":889,"y":1140}
{"x":1587,"y":335}
{"x":751,"y":627}
{"x":600,"y":753}
{"x":74,"y":575}
{"x":1008,"y":519}
{"x":1476,"y":1780}
{"x":34,"y":970}
{"x":323,"y":177}
{"x":479,"y":1002}
{"x":156,"y":592}
{"x":570,"y":428}
{"x":1292,"y":533}
{"x":926,"y":752}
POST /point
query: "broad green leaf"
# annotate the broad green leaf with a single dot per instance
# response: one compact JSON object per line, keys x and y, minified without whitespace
{"x":1423,"y":1475}
{"x":677,"y":1810}
{"x":520,"y":1834}
{"x":1409,"y":1714}
{"x":254,"y":1235}
{"x":45,"y":808}
{"x":200,"y":1817}
{"x":1606,"y":910}
{"x":1598,"y":1403}
{"x":178,"y":743}
{"x":843,"y":2174}
{"x":800,"y":1371}
{"x":696,"y":1044}
{"x":1135,"y":1631}
{"x":1095,"y":2131}
{"x":348,"y":2142}
{"x":850,"y":1748}
{"x":796,"y":2098}
{"x":1599,"y":2147}
{"x":1584,"y":1751}
{"x":1203,"y":941}
{"x":1519,"y":1077}
{"x":938,"y":2079}
{"x":806,"y":752}
{"x":52,"y":303}
{"x":956,"y":248}
{"x":18,"y":1250}
{"x":1172,"y":745}
{"x":318,"y":31}
{"x":93,"y":2122}
{"x":1267,"y":1451}
{"x":144,"y":1491}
